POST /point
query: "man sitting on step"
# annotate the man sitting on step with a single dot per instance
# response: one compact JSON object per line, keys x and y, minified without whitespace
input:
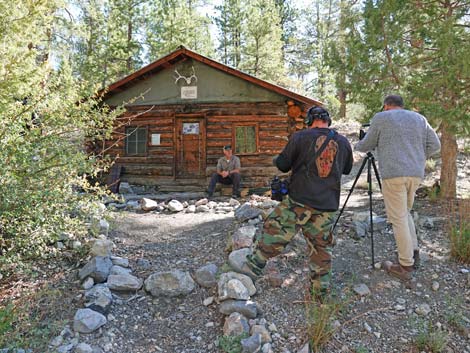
{"x":228,"y":173}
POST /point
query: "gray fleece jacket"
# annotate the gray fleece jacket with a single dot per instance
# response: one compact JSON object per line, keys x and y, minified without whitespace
{"x":404,"y":140}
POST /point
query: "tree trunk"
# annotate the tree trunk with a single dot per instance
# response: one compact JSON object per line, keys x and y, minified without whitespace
{"x":342,"y":104}
{"x":449,"y":162}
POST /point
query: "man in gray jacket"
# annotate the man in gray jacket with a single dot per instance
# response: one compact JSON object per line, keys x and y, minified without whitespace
{"x":404,"y":140}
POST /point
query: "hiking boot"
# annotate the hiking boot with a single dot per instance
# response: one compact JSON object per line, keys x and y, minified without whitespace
{"x":396,"y":270}
{"x":246,"y":270}
{"x":416,"y":259}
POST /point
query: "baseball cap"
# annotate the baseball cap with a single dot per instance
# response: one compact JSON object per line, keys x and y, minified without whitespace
{"x":227,"y":147}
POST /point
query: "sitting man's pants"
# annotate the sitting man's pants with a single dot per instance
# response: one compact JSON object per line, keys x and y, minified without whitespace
{"x":399,"y":194}
{"x":233,"y":179}
{"x":281,"y":226}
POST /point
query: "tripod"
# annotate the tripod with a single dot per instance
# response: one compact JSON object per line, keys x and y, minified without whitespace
{"x":370,"y":160}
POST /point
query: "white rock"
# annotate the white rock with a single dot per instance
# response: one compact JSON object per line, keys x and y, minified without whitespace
{"x":88,"y":283}
{"x":148,"y":204}
{"x":175,"y":206}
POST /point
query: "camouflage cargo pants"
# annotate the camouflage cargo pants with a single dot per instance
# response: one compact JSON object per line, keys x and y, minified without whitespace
{"x":281,"y":226}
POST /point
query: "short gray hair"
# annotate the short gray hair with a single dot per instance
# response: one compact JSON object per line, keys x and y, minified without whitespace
{"x":394,"y":100}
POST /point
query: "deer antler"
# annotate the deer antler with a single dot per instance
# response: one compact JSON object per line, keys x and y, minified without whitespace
{"x":187,"y":79}
{"x":177,"y":78}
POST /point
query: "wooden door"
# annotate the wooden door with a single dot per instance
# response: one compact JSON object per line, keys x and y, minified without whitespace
{"x":190,"y":147}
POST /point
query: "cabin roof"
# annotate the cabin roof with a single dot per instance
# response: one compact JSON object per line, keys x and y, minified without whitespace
{"x":182,"y":54}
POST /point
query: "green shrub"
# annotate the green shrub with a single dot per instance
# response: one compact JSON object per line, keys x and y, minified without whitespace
{"x":459,"y":230}
{"x":45,"y":121}
{"x":231,"y":344}
{"x":430,"y":338}
{"x":31,"y":322}
{"x":320,"y":316}
{"x":7,"y":317}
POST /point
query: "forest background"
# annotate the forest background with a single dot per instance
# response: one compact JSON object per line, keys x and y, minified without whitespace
{"x":345,"y":53}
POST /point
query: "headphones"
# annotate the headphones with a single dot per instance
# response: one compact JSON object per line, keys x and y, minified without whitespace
{"x":317,"y":113}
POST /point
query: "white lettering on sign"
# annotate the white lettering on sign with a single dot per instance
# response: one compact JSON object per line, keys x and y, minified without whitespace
{"x":189,"y":92}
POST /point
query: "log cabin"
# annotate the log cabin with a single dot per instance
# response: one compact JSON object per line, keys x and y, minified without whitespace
{"x":183,"y":108}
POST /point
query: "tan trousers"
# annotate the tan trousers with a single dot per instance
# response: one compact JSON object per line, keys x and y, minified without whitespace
{"x":399,"y":195}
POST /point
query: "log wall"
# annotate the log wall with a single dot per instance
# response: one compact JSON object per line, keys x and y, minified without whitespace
{"x":158,"y":165}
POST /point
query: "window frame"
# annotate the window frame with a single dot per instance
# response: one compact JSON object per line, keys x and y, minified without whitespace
{"x":126,"y":143}
{"x":234,"y":137}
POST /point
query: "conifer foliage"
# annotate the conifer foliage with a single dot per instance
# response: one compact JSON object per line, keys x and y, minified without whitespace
{"x":44,"y":121}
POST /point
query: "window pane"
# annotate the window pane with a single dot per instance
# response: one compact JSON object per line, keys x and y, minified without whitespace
{"x":250,"y":139}
{"x":131,"y":148}
{"x":239,"y":139}
{"x":245,"y":139}
{"x":136,"y":140}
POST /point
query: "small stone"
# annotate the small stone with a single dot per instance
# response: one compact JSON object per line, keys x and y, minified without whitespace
{"x":401,"y":301}
{"x":88,"y":283}
{"x":399,"y":307}
{"x":435,"y":286}
{"x":423,"y":309}
{"x":208,"y":301}
{"x":83,"y":348}
{"x":367,"y":327}
{"x":378,"y":265}
{"x":361,"y":289}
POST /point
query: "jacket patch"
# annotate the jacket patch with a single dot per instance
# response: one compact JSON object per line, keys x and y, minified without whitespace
{"x":325,"y":160}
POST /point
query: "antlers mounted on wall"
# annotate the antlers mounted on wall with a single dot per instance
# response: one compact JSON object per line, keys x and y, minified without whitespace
{"x":188,"y":79}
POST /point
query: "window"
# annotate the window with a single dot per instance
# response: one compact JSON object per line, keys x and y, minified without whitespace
{"x":246,"y":138}
{"x":136,"y":140}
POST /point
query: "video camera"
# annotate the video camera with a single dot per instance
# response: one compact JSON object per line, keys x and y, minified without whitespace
{"x":279,"y":188}
{"x":362,"y":132}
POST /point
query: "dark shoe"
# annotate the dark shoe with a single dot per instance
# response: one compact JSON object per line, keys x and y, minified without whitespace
{"x":396,"y":270}
{"x":416,"y":259}
{"x":236,"y":195}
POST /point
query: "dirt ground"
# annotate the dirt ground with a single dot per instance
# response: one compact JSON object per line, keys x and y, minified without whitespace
{"x":384,"y":321}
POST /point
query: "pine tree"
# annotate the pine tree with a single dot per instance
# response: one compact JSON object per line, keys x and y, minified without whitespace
{"x":415,"y":48}
{"x":172,"y":23}
{"x":230,"y":25}
{"x":317,"y":34}
{"x":262,"y":50}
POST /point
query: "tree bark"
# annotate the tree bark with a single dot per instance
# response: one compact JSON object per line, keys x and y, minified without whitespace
{"x":342,"y":104}
{"x":449,"y":162}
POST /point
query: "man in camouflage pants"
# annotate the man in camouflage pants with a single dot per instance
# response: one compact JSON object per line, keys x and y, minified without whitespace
{"x":317,"y":157}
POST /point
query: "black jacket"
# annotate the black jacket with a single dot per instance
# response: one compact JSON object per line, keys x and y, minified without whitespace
{"x":306,"y":186}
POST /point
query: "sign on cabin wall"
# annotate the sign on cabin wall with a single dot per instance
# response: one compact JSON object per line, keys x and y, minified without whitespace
{"x":189,"y":92}
{"x":155,"y":139}
{"x":190,"y":128}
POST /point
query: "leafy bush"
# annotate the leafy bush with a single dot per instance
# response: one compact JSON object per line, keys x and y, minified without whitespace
{"x":44,"y":124}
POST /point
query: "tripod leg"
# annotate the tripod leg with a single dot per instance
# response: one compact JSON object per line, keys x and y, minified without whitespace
{"x":369,"y":191}
{"x":350,"y":192}
{"x":376,"y":171}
